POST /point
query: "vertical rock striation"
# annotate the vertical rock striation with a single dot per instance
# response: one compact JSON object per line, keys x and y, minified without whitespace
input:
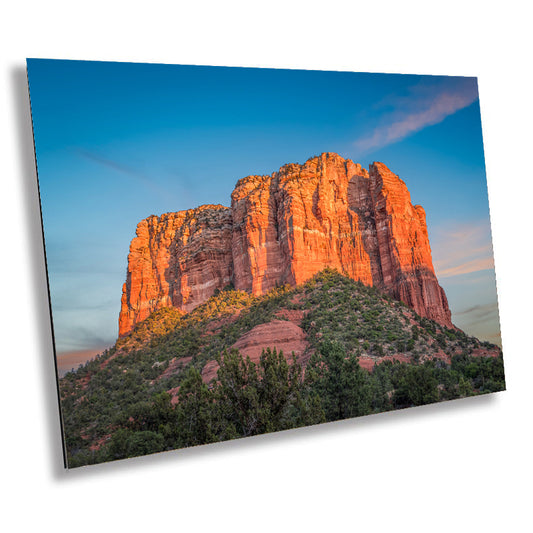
{"x":407,"y":271}
{"x":291,"y":225}
{"x":176,"y":260}
{"x":284,"y":228}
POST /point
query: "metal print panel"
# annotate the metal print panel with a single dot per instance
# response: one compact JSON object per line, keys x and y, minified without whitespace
{"x":236,"y":251}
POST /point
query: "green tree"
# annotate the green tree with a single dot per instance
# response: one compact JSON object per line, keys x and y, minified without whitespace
{"x":194,"y":412}
{"x":381,"y":386}
{"x":338,"y":380}
{"x":236,"y":395}
{"x":416,"y":385}
{"x":277,"y":388}
{"x":151,"y":415}
{"x":465,"y":387}
{"x":253,"y":399}
{"x":127,"y":443}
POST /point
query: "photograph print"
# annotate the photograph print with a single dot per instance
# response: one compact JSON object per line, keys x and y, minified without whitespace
{"x":238,"y":251}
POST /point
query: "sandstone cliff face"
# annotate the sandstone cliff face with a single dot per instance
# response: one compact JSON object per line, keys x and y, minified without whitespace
{"x":293,"y":224}
{"x":176,"y":260}
{"x":404,"y":250}
{"x":284,"y":228}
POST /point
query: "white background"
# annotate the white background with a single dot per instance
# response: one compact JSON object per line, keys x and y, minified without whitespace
{"x":461,"y":466}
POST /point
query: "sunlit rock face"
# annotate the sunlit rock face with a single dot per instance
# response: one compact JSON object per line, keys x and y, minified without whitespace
{"x":284,"y":228}
{"x":291,"y":225}
{"x":177,"y":259}
{"x":404,"y":253}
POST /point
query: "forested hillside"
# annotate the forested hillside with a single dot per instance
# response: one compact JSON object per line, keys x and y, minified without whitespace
{"x":218,"y":372}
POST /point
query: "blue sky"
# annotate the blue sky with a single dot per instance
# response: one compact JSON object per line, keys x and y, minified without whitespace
{"x":117,"y":142}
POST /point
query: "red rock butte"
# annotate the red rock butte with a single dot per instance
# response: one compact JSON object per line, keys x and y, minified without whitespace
{"x":284,"y":228}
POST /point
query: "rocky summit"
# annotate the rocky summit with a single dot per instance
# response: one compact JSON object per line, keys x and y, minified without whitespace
{"x":283,"y":229}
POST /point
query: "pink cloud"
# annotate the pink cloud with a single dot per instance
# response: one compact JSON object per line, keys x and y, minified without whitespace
{"x":462,"y":250}
{"x":466,"y":268}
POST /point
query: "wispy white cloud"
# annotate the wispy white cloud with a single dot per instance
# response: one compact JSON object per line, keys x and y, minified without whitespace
{"x":464,"y":264}
{"x":109,"y":163}
{"x":125,"y":170}
{"x":423,"y":107}
{"x":466,"y":268}
{"x":462,"y":250}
